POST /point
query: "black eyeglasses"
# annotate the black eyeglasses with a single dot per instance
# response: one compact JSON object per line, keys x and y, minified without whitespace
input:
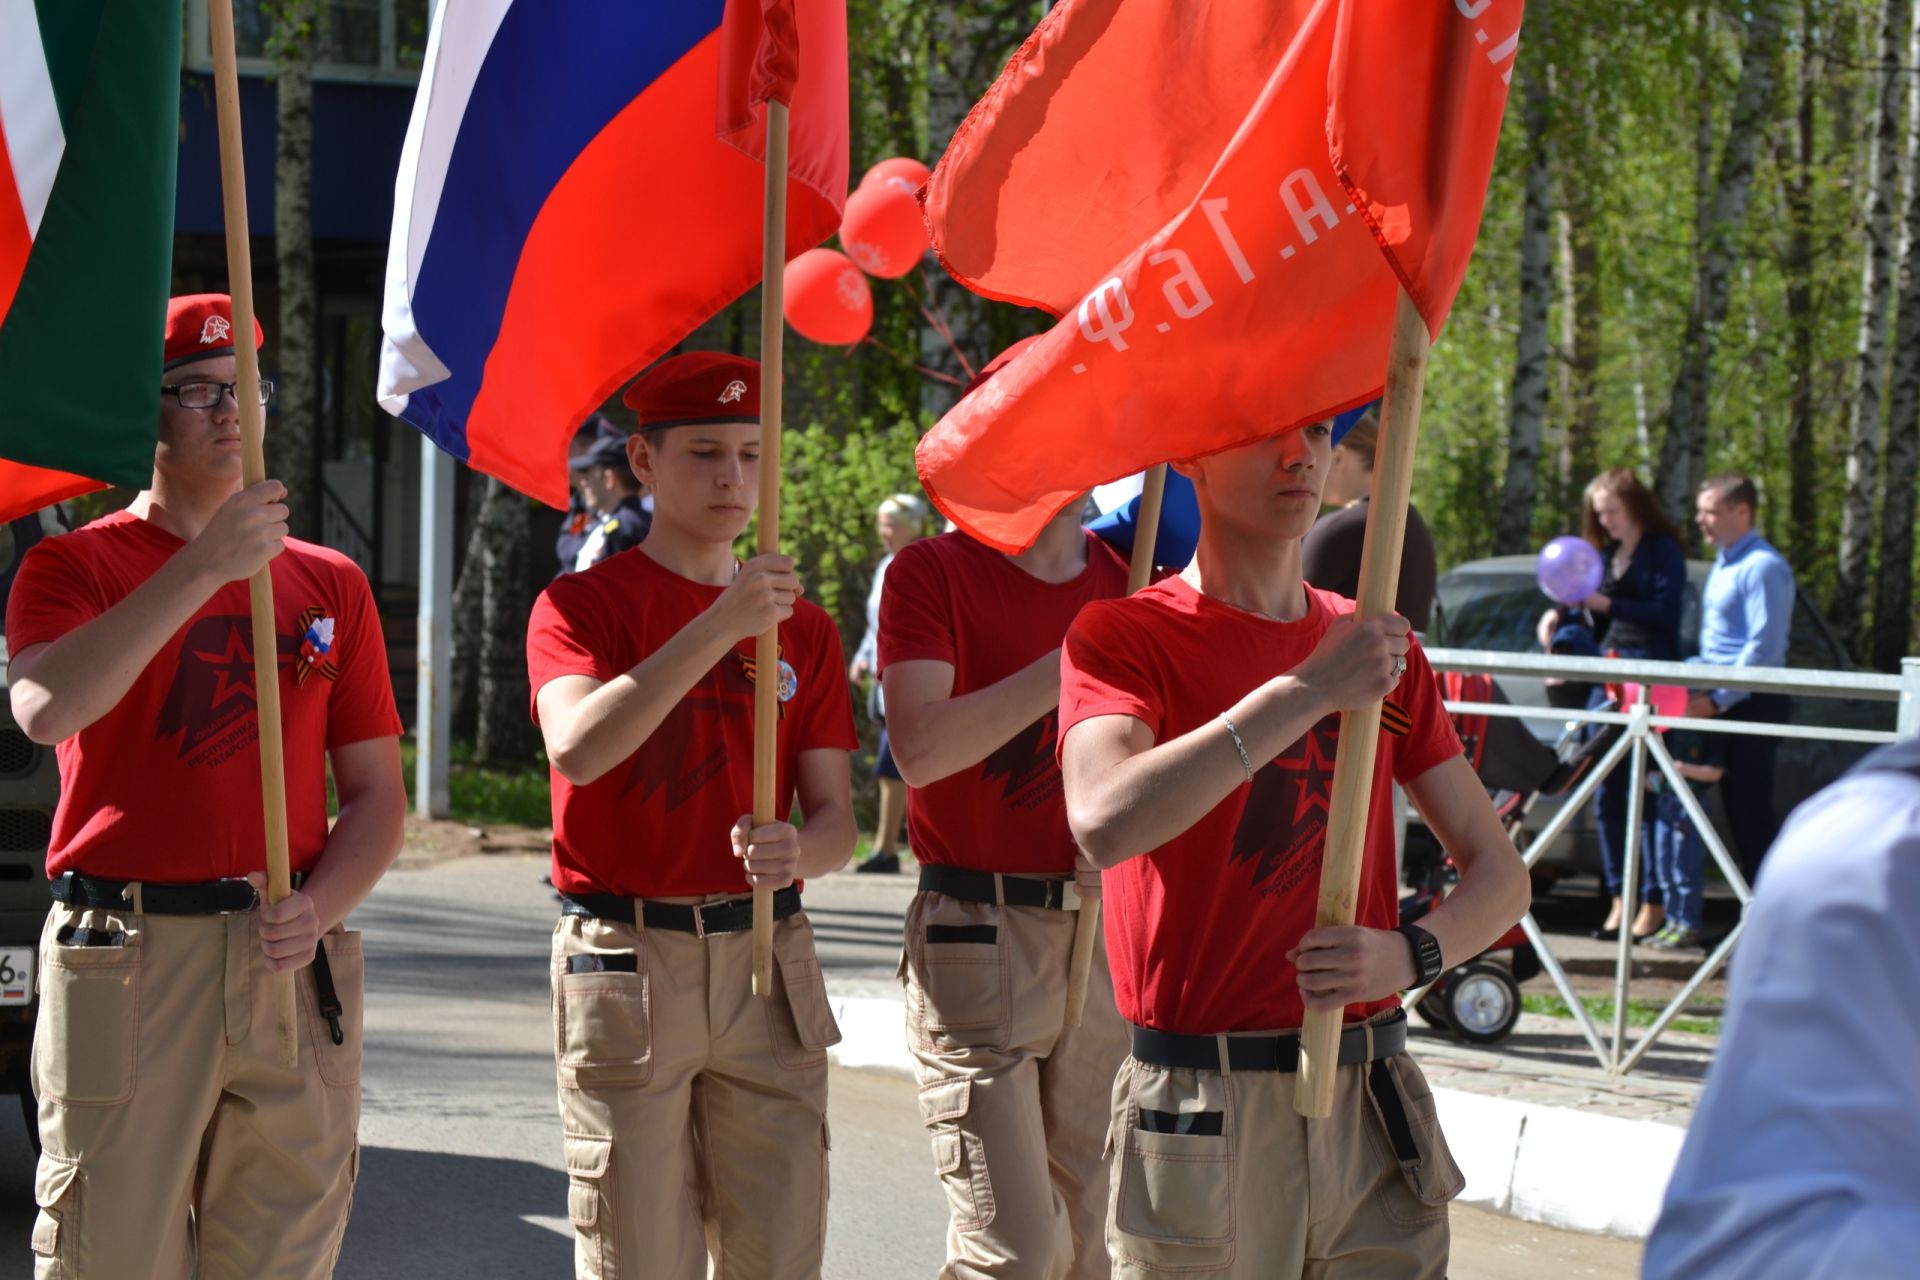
{"x":205,"y":395}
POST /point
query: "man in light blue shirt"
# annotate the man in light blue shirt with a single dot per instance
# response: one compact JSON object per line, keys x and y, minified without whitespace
{"x":1801,"y":1161}
{"x":1746,"y":612}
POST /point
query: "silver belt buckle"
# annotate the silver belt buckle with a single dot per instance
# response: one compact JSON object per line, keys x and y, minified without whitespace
{"x":254,"y":895}
{"x":699,"y":919}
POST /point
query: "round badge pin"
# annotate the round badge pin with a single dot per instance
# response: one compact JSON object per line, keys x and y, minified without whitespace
{"x":789,"y":681}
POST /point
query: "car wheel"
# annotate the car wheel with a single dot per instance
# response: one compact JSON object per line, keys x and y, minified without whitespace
{"x":1433,"y":1007}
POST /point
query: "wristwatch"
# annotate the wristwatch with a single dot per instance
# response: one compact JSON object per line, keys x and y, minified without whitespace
{"x":1426,"y":953}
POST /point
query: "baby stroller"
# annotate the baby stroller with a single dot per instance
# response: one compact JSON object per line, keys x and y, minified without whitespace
{"x":1479,"y":1000}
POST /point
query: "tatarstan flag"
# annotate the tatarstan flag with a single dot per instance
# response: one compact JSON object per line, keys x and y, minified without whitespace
{"x":1222,"y":199}
{"x":89,"y":137}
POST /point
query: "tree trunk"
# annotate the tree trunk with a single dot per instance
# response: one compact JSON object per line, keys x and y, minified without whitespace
{"x":1802,"y":320}
{"x":1876,"y":289}
{"x":1683,"y":451}
{"x":505,"y":736}
{"x":1527,"y":411}
{"x":1583,"y":421}
{"x":292,"y":443}
{"x":1893,"y":607}
{"x":469,"y":594}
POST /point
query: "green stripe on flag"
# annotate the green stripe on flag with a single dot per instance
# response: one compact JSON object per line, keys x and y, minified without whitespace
{"x":69,"y":30}
{"x":80,"y":348}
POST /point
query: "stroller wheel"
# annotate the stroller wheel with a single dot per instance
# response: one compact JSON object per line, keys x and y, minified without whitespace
{"x":1433,"y":1005}
{"x":1482,"y":1002}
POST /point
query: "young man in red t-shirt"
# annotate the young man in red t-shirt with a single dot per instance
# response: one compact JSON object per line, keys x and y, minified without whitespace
{"x":695,"y":1112}
{"x":173,"y":1138}
{"x":1199,"y":721}
{"x":970,"y":661}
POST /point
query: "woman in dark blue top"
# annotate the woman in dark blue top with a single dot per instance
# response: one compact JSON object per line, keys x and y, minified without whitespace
{"x":1635,"y":614}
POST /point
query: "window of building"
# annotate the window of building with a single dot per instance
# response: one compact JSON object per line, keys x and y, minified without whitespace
{"x":368,"y":40}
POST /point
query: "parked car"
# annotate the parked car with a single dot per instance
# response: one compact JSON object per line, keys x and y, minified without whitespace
{"x":1496,"y":604}
{"x":29,"y":787}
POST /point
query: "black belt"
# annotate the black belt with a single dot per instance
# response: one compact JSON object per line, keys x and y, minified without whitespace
{"x":225,"y":897}
{"x":698,"y":919}
{"x":978,"y":886}
{"x":1264,"y":1053}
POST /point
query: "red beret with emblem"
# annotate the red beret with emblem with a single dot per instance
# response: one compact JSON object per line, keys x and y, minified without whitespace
{"x":200,"y":326}
{"x":698,"y":386}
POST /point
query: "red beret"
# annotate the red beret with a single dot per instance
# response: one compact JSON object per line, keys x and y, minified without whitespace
{"x":698,"y":386}
{"x":200,"y":326}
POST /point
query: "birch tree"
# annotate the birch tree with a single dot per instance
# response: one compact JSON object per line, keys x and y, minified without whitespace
{"x":1683,"y":450}
{"x":1527,"y":409}
{"x":1893,"y":599}
{"x":292,"y":451}
{"x":1876,"y":290}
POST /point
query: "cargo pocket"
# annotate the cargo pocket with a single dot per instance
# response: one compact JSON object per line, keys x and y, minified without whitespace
{"x":56,"y":1231}
{"x":957,"y":980}
{"x":346,"y":964}
{"x":959,"y":1157}
{"x":1407,"y":1132}
{"x":88,"y":1029}
{"x":801,"y":1023}
{"x":590,"y":1205}
{"x":603,"y":1026}
{"x":1173,"y":1206}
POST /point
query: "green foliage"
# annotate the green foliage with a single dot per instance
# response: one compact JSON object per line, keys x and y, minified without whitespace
{"x":830,"y":487}
{"x":1640,"y":1013}
{"x":488,"y":796}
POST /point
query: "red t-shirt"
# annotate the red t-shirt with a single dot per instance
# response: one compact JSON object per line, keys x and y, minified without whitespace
{"x":658,"y":825}
{"x":951,"y":599}
{"x":1198,"y":929}
{"x":166,"y":786}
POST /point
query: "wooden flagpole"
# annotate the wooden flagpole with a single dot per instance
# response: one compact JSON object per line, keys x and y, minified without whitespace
{"x":1086,"y":929}
{"x":1360,"y":730}
{"x":253,"y":469}
{"x":766,"y":685}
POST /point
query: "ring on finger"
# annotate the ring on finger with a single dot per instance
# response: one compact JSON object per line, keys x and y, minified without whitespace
{"x":1399,"y":666}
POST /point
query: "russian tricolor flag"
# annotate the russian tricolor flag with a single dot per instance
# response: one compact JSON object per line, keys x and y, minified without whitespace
{"x":581,"y":186}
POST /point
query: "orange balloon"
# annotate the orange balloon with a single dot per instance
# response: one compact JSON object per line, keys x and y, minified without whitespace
{"x":883,"y":231}
{"x":827,"y":299}
{"x":900,"y":169}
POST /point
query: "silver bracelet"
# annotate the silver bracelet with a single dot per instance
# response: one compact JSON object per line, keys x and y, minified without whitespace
{"x":1246,"y":762}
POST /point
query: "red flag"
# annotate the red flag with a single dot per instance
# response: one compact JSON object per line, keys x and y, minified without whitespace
{"x":1224,"y":221}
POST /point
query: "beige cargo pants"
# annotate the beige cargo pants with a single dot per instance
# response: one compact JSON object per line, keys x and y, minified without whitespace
{"x":695,"y":1112}
{"x":1252,"y":1191}
{"x":1014,"y":1100}
{"x":171,"y":1132}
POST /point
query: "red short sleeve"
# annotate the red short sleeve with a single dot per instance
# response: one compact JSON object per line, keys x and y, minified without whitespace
{"x":916,"y":609}
{"x":360,"y":705}
{"x":828,"y":722}
{"x":51,"y":596}
{"x":1107,"y":668}
{"x":1432,"y":740}
{"x":565,"y":637}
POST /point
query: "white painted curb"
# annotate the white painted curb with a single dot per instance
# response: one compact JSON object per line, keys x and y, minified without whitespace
{"x":1552,"y":1165}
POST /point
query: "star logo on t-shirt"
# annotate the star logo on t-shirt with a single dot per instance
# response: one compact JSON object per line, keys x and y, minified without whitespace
{"x":232,"y":668}
{"x":211,"y":699}
{"x":1283,"y":828}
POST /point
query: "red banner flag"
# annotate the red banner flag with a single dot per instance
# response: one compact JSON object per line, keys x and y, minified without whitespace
{"x":1222,"y":200}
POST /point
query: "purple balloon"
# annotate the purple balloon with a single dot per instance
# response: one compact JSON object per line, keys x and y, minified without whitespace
{"x":1570,"y":569}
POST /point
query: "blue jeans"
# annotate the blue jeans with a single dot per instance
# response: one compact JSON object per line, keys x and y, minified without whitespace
{"x":1679,"y":859}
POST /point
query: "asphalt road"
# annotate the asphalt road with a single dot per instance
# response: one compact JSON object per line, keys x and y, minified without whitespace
{"x":461,"y":1173}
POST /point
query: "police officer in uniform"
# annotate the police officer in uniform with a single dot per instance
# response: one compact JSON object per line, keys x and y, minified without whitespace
{"x":610,"y":493}
{"x":175,"y":1143}
{"x":695,"y":1112}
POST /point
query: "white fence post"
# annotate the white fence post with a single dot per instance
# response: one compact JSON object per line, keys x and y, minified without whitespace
{"x":1909,"y":721}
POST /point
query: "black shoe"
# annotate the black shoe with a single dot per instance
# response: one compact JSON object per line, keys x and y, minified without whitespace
{"x":880,"y":864}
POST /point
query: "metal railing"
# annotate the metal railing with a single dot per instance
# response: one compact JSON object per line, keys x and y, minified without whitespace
{"x":1636,"y":746}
